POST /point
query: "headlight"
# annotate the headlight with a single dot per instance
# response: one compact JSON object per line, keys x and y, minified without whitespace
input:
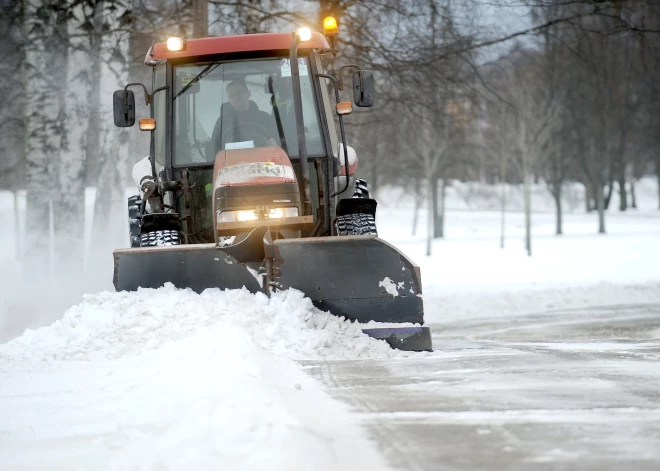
{"x":252,"y":215}
{"x":304,"y":33}
{"x":278,"y":213}
{"x":233,"y":216}
{"x":176,"y":44}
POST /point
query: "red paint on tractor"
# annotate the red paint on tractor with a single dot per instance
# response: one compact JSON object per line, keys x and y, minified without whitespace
{"x":243,"y":43}
{"x":254,"y":166}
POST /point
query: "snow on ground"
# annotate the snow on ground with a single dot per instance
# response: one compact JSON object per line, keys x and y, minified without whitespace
{"x":171,"y":379}
{"x":469,"y":275}
{"x":111,"y":325}
{"x":209,"y":398}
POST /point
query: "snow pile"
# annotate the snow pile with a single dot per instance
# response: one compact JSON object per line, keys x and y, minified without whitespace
{"x":211,"y":400}
{"x":111,"y":325}
{"x":170,"y":379}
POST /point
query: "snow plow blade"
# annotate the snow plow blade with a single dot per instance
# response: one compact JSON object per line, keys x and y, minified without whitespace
{"x":361,"y":278}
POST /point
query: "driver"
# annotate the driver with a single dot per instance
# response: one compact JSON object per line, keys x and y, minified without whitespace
{"x":241,"y":120}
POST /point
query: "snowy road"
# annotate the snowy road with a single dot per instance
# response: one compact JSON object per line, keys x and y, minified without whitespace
{"x":574,"y":389}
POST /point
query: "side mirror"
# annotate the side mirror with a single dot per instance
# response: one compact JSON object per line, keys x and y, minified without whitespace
{"x":123,"y":108}
{"x":363,"y":88}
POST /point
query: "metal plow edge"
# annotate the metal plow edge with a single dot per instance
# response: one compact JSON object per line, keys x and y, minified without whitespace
{"x":361,"y":278}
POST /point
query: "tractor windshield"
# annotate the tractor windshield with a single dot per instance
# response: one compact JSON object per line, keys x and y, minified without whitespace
{"x":236,"y":105}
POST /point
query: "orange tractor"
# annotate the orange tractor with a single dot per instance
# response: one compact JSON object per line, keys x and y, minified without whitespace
{"x":248,"y":183}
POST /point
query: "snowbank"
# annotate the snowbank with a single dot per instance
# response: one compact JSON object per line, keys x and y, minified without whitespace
{"x":111,"y":325}
{"x":170,"y":379}
{"x":213,"y":399}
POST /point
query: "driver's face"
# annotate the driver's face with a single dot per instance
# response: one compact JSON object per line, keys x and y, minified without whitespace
{"x":239,"y":97}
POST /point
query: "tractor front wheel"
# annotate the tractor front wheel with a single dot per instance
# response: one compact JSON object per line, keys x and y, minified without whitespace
{"x":356,"y":224}
{"x":160,"y":239}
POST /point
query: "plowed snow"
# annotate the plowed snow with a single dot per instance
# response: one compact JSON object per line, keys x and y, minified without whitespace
{"x":110,"y":325}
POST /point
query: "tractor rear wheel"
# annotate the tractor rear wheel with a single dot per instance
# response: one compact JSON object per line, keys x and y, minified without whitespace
{"x":361,"y":188}
{"x":160,"y":239}
{"x":356,"y":224}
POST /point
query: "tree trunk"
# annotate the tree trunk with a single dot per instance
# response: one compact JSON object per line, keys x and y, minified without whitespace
{"x":17,"y":227}
{"x":608,"y":198}
{"x":528,"y":214}
{"x":443,"y":193}
{"x":41,"y":147}
{"x":429,"y":225}
{"x":200,"y":10}
{"x":503,"y":213}
{"x":93,"y":137}
{"x":623,"y":196}
{"x":138,"y":44}
{"x":69,"y":205}
{"x":600,"y":206}
{"x":252,"y":23}
{"x":633,"y":197}
{"x":556,"y":194}
{"x":438,"y":212}
{"x":658,"y":176}
{"x":588,"y":207}
{"x":527,"y":197}
{"x":502,"y":198}
{"x":418,"y":203}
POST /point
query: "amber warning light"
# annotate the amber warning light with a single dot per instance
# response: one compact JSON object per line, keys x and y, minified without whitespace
{"x":147,"y":124}
{"x":330,"y":26}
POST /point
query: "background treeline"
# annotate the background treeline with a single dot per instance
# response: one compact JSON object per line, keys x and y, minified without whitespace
{"x":551,"y":91}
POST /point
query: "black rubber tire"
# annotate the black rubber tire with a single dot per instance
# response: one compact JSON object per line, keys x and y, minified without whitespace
{"x":160,"y":239}
{"x":356,"y":224}
{"x":134,"y":203}
{"x":361,"y":188}
{"x":134,"y":232}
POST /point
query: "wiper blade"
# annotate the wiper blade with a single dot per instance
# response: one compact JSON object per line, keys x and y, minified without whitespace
{"x":209,"y":68}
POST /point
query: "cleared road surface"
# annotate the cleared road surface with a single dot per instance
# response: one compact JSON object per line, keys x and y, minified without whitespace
{"x":562,"y":390}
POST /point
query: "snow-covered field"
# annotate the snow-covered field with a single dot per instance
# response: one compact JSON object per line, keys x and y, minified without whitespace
{"x":469,"y":275}
{"x":168,"y":379}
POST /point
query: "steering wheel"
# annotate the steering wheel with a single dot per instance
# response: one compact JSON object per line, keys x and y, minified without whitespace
{"x":248,"y":131}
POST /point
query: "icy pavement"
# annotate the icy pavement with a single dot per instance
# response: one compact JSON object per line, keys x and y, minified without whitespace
{"x":564,"y":390}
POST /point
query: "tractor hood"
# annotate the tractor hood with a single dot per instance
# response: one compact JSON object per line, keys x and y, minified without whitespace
{"x":254,"y":166}
{"x":255,"y":187}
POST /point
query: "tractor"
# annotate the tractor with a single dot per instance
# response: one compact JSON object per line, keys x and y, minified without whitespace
{"x":248,"y":184}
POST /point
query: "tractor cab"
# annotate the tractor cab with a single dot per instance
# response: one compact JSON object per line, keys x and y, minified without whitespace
{"x":215,"y":96}
{"x":220,"y":107}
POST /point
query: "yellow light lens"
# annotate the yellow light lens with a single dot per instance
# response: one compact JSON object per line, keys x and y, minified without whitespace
{"x":147,"y":124}
{"x":330,"y":26}
{"x":344,"y":107}
{"x":279,"y":213}
{"x":251,"y":215}
{"x":175,"y":44}
{"x":247,"y":216}
{"x":305,"y":34}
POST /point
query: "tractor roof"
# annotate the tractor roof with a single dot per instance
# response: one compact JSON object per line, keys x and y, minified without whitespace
{"x":242,"y":43}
